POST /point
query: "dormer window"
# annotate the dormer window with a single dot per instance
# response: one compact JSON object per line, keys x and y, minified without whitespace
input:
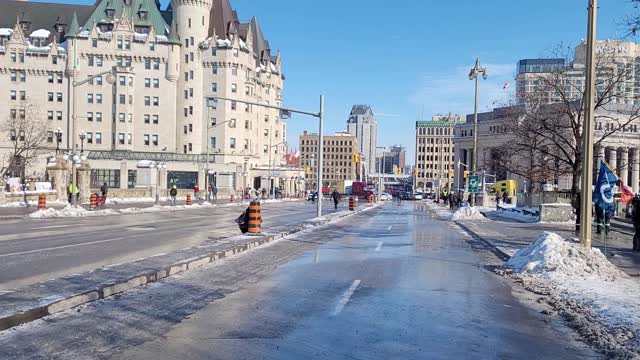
{"x":110,"y":13}
{"x":143,"y":14}
{"x":25,"y":25}
{"x":60,"y":28}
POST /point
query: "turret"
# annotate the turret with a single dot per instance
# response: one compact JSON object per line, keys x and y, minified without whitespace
{"x":71,"y":35}
{"x":173,"y":57}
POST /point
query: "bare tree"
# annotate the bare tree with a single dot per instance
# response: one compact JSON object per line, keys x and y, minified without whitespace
{"x":547,"y":124}
{"x":25,"y":133}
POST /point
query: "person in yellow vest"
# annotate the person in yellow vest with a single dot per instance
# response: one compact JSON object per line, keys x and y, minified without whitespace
{"x":70,"y":191}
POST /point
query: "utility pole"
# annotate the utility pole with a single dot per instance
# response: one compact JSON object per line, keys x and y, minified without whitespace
{"x":587,"y":131}
{"x":473,"y":75}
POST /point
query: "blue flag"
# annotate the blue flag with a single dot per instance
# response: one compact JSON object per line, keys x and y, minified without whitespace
{"x":603,"y":192}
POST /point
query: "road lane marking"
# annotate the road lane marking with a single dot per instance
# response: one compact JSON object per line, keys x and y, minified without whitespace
{"x":65,"y":246}
{"x":344,"y":299}
{"x":379,"y":246}
{"x":389,"y":228}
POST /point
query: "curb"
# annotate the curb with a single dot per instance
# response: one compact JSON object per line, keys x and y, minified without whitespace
{"x":38,"y":307}
{"x":494,"y":249}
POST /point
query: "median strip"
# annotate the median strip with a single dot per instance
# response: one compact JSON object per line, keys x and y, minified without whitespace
{"x":39,"y":300}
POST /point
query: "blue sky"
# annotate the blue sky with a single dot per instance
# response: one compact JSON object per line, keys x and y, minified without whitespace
{"x":404,"y":56}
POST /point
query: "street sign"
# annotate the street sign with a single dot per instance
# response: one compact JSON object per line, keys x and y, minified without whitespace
{"x":473,"y":184}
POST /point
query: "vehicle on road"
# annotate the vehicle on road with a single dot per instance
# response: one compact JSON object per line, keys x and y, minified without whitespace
{"x":385,"y":196}
{"x":417,"y":196}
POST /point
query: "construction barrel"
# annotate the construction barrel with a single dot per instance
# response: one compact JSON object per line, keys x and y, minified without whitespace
{"x":42,"y":202}
{"x":231,"y":199}
{"x":352,"y":203}
{"x":93,"y":201}
{"x":255,"y":218}
{"x":188,"y":199}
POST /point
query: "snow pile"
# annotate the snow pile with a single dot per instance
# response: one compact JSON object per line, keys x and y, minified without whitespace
{"x":551,"y":253}
{"x":515,"y":215}
{"x":597,"y":298}
{"x":467,"y":213}
{"x":70,"y":211}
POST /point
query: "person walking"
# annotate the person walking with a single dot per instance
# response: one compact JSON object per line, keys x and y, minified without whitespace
{"x":173,"y":193}
{"x":336,"y":198}
{"x":103,"y":191}
{"x":497,"y":200}
{"x":599,"y":218}
{"x":452,"y":199}
{"x":77,"y":195}
{"x":214,"y":191}
{"x":196,"y":192}
{"x":209,"y":192}
{"x":70,"y":191}
{"x":635,"y":215}
{"x":505,"y":197}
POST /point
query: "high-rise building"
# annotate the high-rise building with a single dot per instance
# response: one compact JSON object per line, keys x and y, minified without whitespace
{"x":363,"y":125}
{"x":614,"y":57}
{"x":435,"y":152}
{"x":157,"y":67}
{"x":338,"y":161}
{"x":394,"y":159}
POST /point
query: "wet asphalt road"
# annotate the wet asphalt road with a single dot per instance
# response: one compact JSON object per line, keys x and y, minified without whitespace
{"x":33,"y":250}
{"x":392,"y":283}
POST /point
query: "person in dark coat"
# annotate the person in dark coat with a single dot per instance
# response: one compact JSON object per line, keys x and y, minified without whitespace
{"x":497,"y":200}
{"x":505,"y":197}
{"x":635,"y":215}
{"x":599,"y":218}
{"x":335,"y":195}
{"x":243,"y":221}
{"x":173,"y":193}
{"x":103,"y":190}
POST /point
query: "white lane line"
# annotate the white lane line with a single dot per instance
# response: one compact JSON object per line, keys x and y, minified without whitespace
{"x":379,"y":246}
{"x":65,"y":246}
{"x":344,"y":299}
{"x":389,"y":228}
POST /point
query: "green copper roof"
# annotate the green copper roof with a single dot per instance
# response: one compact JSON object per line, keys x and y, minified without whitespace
{"x":134,"y":12}
{"x":436,"y":123}
{"x":73,"y":27}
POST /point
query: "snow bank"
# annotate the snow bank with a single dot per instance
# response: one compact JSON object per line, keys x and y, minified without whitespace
{"x":70,"y":211}
{"x":598,"y":299}
{"x":515,"y":216}
{"x":467,"y":213}
{"x":551,"y":253}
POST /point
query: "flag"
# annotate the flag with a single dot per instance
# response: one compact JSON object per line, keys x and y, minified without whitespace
{"x":626,"y":194}
{"x":603,"y":192}
{"x":506,"y":85}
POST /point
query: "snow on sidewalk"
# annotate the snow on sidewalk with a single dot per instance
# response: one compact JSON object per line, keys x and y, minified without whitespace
{"x":467,"y":213}
{"x":601,"y":301}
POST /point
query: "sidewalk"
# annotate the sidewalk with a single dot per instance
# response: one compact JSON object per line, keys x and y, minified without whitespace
{"x":509,"y":235}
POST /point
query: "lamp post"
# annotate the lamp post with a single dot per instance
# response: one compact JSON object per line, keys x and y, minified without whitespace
{"x":158,"y":165}
{"x":83,"y":136}
{"x":286,"y":111}
{"x":210,"y":104}
{"x":58,"y":139}
{"x":473,"y":75}
{"x":381,"y":167}
{"x":272,"y":174}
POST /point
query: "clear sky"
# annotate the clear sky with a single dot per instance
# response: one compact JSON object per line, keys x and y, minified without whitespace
{"x":404,"y":56}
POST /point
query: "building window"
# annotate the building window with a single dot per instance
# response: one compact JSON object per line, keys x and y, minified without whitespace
{"x":99,"y":117}
{"x":235,"y":52}
{"x":50,"y":78}
{"x":234,"y":88}
{"x":156,"y":83}
{"x":154,"y":140}
{"x":122,"y":99}
{"x":94,"y":43}
{"x":127,"y":44}
{"x":147,"y":82}
{"x":246,"y":144}
{"x":266,"y":118}
{"x":212,"y":142}
{"x":147,"y":64}
{"x":182,"y":179}
{"x":98,"y":98}
{"x":121,"y":138}
{"x":147,"y":118}
{"x":155,"y":119}
{"x":147,"y":101}
{"x":121,"y":117}
{"x":246,"y":124}
{"x":90,"y":98}
{"x":233,"y":105}
{"x":98,"y":138}
{"x":266,"y":132}
{"x":214,"y":87}
{"x":232,"y":123}
{"x":156,"y":64}
{"x":59,"y":115}
{"x":99,"y":61}
{"x":109,"y":176}
{"x":13,"y":95}
{"x":89,"y":116}
{"x":190,"y":127}
{"x":214,"y":69}
{"x":123,"y":80}
{"x":50,"y":115}
{"x":232,"y":143}
{"x":59,"y":97}
{"x":190,"y":147}
{"x":14,"y":76}
{"x":146,"y":140}
{"x":59,"y":78}
{"x":89,"y":138}
{"x":156,"y":101}
{"x":234,"y":71}
{"x":98,"y":80}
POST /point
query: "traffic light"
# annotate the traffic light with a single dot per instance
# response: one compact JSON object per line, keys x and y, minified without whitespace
{"x":452,"y":173}
{"x":399,"y":171}
{"x":415,"y":172}
{"x":356,"y":158}
{"x":308,"y":170}
{"x":465,"y":174}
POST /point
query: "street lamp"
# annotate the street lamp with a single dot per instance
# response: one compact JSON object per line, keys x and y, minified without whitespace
{"x":210,"y":104}
{"x":380,"y":167}
{"x":58,"y":139}
{"x":272,"y":187}
{"x":82,"y":137}
{"x":473,"y":75}
{"x":285,"y":112}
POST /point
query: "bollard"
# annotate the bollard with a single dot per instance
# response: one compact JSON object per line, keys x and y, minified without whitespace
{"x":255,"y":218}
{"x":42,"y":202}
{"x":93,"y":201}
{"x":352,"y":203}
{"x":231,"y":199}
{"x":188,"y":199}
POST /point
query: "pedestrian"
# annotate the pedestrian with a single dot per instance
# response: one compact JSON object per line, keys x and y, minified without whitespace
{"x":173,"y":193}
{"x":505,"y":197}
{"x":77,"y":195}
{"x":452,"y":200}
{"x":635,"y":215}
{"x":196,"y":192}
{"x":336,"y":198}
{"x":103,"y":191}
{"x":214,"y":191}
{"x":209,"y":193}
{"x":599,"y":217}
{"x":497,"y":200}
{"x":264,"y":193}
{"x":70,"y":191}
{"x":608,"y":215}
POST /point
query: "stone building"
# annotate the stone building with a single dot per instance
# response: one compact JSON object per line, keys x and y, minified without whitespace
{"x":338,"y":161}
{"x":364,"y":126}
{"x":142,"y":76}
{"x":435,"y":153}
{"x":621,"y":149}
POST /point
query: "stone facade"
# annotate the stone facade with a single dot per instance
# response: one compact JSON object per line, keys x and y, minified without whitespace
{"x":163,"y":65}
{"x":363,"y":125}
{"x":435,"y":160}
{"x":338,"y":161}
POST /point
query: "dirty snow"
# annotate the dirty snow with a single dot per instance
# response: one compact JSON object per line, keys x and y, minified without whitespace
{"x":467,"y":213}
{"x":515,"y":216}
{"x":600,"y":300}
